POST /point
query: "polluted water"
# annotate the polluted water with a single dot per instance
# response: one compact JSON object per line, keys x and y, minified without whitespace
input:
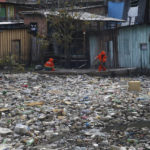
{"x":73,"y":112}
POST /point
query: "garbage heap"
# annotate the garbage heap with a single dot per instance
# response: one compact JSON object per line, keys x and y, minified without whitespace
{"x":43,"y":112}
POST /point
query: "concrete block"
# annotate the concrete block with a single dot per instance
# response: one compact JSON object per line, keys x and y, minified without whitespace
{"x":134,"y":86}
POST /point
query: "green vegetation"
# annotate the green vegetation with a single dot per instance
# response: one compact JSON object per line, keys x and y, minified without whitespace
{"x":11,"y":64}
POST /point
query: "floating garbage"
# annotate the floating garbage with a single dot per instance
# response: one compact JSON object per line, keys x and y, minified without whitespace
{"x":39,"y":111}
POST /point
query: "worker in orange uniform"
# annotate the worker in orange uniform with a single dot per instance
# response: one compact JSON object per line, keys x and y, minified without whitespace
{"x":49,"y":65}
{"x":102,"y":58}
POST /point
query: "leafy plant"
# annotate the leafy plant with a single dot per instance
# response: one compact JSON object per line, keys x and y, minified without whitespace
{"x":10,"y":63}
{"x":64,"y":24}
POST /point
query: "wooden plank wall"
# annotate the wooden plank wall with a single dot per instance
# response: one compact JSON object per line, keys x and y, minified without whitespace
{"x":6,"y":38}
{"x":98,"y":42}
{"x":105,"y":37}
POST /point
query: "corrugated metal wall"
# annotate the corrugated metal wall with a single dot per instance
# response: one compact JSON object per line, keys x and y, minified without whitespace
{"x":94,"y":48}
{"x":129,"y":49}
{"x":107,"y":41}
{"x":6,"y":38}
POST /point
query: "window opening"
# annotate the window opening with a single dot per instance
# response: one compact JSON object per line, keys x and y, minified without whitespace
{"x":134,"y":3}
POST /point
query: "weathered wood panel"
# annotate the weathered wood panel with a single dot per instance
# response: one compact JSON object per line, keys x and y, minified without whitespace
{"x":7,"y":37}
{"x":36,"y":53}
{"x":130,"y":52}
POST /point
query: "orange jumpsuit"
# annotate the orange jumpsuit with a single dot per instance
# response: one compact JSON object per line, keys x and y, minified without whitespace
{"x":102,"y":58}
{"x":50,"y":64}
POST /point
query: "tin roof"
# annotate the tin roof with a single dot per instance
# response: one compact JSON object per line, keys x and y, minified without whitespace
{"x":11,"y":22}
{"x":84,"y":16}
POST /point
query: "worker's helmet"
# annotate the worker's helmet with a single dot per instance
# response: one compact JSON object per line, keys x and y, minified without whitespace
{"x":51,"y":59}
{"x":103,"y":53}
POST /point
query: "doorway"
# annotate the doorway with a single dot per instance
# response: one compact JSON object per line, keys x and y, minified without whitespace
{"x":16,"y":50}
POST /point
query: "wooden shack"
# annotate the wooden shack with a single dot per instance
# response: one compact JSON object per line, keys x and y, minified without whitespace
{"x":134,"y":36}
{"x":15,"y":42}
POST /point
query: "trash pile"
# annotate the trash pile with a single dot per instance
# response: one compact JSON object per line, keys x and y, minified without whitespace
{"x":42,"y":112}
